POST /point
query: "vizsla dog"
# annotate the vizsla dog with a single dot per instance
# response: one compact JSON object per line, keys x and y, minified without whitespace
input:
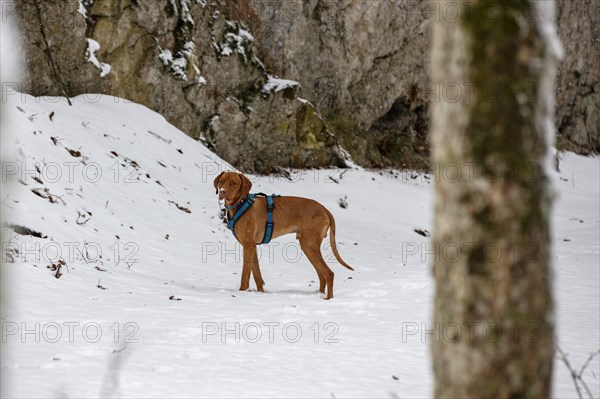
{"x":305,"y":217}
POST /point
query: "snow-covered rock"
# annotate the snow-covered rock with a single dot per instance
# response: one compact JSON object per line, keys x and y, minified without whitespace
{"x":92,"y":48}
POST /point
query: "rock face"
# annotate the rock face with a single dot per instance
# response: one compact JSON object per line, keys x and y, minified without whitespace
{"x":208,"y":67}
{"x":362,"y":62}
{"x":578,"y":94}
{"x":185,"y":59}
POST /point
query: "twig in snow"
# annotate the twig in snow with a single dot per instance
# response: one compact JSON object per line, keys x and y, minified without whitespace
{"x":83,"y":218}
{"x":99,"y":286}
{"x":85,"y":256}
{"x":74,"y":153}
{"x":159,"y":137}
{"x":4,"y":202}
{"x":45,"y":194}
{"x":24,"y":231}
{"x":578,"y":376}
{"x":422,"y":232}
{"x":55,"y":267}
{"x":180,"y":207}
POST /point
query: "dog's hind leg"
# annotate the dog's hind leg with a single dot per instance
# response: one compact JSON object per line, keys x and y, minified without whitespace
{"x":304,"y":245}
{"x":312,"y":250}
{"x":321,"y":280}
{"x":257,"y":276}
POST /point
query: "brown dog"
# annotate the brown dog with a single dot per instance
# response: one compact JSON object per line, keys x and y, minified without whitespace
{"x":305,"y":217}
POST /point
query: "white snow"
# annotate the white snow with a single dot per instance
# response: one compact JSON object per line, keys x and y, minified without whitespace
{"x":130,"y":207}
{"x":199,"y":78}
{"x":243,"y":34}
{"x":185,"y":12}
{"x":546,"y":14}
{"x":166,"y":56}
{"x":179,"y":62}
{"x":226,"y":51}
{"x":82,"y":10}
{"x":179,"y":67}
{"x":11,"y":59}
{"x":186,"y":6}
{"x":237,"y":40}
{"x":92,"y":48}
{"x":275,"y":85}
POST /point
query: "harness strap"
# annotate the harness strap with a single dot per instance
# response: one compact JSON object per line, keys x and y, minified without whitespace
{"x":270,"y":224}
{"x":239,"y":213}
{"x":245,"y":205}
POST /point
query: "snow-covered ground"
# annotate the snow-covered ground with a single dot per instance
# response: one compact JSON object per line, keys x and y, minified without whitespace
{"x":147,"y":303}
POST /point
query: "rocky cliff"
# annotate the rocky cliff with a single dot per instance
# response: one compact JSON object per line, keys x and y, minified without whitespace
{"x":187,"y":60}
{"x":214,"y":68}
{"x":363,"y":63}
{"x":578,"y":84}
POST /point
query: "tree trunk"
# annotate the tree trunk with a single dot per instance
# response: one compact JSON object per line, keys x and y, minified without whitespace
{"x":493,"y":69}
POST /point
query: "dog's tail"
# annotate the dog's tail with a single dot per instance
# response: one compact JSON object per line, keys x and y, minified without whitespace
{"x":332,"y":241}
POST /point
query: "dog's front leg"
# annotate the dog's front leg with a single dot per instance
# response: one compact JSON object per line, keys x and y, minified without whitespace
{"x":255,"y":268}
{"x":250,"y":259}
{"x":257,"y":276}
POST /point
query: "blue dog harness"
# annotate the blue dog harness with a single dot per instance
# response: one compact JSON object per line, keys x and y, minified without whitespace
{"x":244,"y":206}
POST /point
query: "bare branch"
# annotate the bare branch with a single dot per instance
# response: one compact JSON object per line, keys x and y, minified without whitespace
{"x":578,"y":376}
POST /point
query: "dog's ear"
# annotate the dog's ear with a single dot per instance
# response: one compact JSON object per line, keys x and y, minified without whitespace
{"x":217,"y":182}
{"x":246,"y":185}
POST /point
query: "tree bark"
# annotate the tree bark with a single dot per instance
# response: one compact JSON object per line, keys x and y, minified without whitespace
{"x":493,"y":69}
